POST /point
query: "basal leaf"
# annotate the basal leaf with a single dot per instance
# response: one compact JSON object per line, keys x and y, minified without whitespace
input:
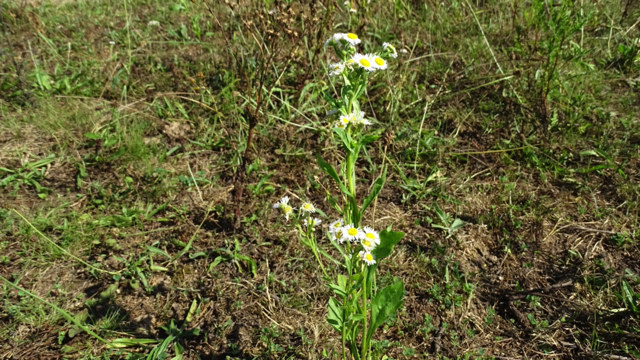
{"x":385,"y":304}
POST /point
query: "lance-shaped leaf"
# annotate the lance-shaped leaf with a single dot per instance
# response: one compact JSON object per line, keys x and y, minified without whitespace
{"x":327,"y":168}
{"x":335,"y":317}
{"x":375,"y":190}
{"x":384,"y":305}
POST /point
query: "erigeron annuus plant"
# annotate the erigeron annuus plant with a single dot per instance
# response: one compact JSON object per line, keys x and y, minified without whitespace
{"x":359,"y":308}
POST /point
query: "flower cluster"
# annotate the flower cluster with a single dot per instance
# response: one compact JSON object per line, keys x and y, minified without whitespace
{"x":354,"y":67}
{"x":306,"y":208}
{"x":366,"y":237}
{"x":340,"y":40}
{"x":390,"y":49}
{"x":283,"y":205}
{"x":355,"y":118}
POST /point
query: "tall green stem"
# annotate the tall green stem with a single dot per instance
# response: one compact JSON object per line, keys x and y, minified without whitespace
{"x":351,"y":182}
{"x":364,"y":311}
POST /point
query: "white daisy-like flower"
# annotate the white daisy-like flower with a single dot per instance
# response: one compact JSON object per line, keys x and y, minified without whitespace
{"x":370,"y":238}
{"x":363,"y":61}
{"x":335,"y":226}
{"x":378,"y":62}
{"x":351,"y":38}
{"x":283,"y":201}
{"x":345,"y":120}
{"x":287,"y":209}
{"x":312,"y":222}
{"x":153,"y":23}
{"x":359,"y":119}
{"x":351,"y":233}
{"x":367,"y":257}
{"x":342,"y":38}
{"x":338,"y":235}
{"x":353,"y":10}
{"x":336,"y":69}
{"x":308,"y":208}
{"x":404,"y":51}
{"x":335,"y":39}
{"x":391,"y":49}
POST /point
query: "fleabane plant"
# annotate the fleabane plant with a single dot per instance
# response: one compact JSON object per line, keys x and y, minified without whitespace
{"x":359,"y":307}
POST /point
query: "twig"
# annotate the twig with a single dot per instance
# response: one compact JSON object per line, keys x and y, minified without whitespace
{"x":554,"y":286}
{"x":487,"y":152}
{"x":591,"y":230}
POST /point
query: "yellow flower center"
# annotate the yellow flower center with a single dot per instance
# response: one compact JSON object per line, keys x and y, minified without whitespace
{"x":366,"y":243}
{"x":307,"y":206}
{"x":352,"y":232}
{"x":337,"y":225}
{"x":365,"y":63}
{"x":287,"y":208}
{"x":369,"y":257}
{"x":338,"y":234}
{"x":352,"y":36}
{"x":370,"y":236}
{"x":379,"y":61}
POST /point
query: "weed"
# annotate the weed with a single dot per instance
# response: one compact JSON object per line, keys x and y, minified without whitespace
{"x":30,"y":173}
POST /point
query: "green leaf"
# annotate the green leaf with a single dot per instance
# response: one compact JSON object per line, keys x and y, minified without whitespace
{"x":328,"y":98}
{"x":197,"y":255}
{"x":457,"y":224}
{"x":588,"y":153}
{"x":42,"y":162}
{"x":385,"y":304}
{"x":92,"y":136}
{"x":75,"y":330}
{"x":346,"y":139}
{"x":254,"y":268}
{"x":192,"y":311}
{"x":388,"y":239}
{"x":338,"y":290}
{"x":375,"y":190}
{"x":327,"y":168}
{"x":341,"y":287}
{"x":158,"y":251}
{"x":369,"y":139}
{"x":335,"y":317}
{"x":628,"y":294}
{"x":443,"y":217}
{"x":109,"y":293}
{"x":215,"y":263}
{"x":122,"y":342}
